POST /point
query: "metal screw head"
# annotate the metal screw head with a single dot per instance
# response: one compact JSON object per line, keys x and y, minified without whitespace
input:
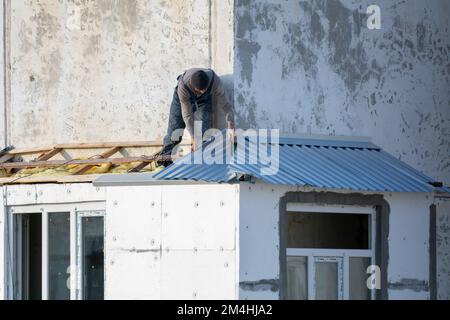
{"x":196,"y":204}
{"x":42,"y":209}
{"x":222,"y":203}
{"x":40,"y":193}
{"x":112,"y":262}
{"x":166,"y":214}
{"x":194,"y":294}
{"x":152,"y":204}
{"x":11,"y":210}
{"x":225,"y":264}
{"x":114,"y":238}
{"x":29,"y":193}
{"x":152,"y":242}
{"x":115,"y":203}
{"x":195,"y":249}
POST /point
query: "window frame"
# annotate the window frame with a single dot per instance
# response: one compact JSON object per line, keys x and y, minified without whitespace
{"x":76,"y":212}
{"x":79,"y":247}
{"x":312,"y":254}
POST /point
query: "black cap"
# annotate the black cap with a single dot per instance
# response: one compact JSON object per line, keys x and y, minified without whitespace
{"x":200,"y":80}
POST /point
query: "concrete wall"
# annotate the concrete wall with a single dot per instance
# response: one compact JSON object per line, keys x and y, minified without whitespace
{"x":2,"y":78}
{"x":408,"y":264}
{"x":314,"y":66}
{"x":171,"y":242}
{"x":408,"y":273}
{"x":105,"y":70}
{"x":443,"y":248}
{"x":3,"y":234}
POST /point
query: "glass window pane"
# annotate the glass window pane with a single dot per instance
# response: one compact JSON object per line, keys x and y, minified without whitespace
{"x":358,"y":278}
{"x":59,"y":256}
{"x":28,"y":256}
{"x":328,"y":230}
{"x":297,"y":283}
{"x":326,"y":280}
{"x":93,"y":273}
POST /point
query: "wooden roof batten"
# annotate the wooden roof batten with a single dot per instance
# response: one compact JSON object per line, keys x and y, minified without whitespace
{"x":11,"y":161}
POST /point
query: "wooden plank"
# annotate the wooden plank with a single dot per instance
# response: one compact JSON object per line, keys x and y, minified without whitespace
{"x":50,"y":154}
{"x":6,"y":157}
{"x":49,"y":179}
{"x":58,"y":179}
{"x":104,"y":155}
{"x":140,"y":166}
{"x":58,"y":163}
{"x":96,"y":145}
{"x":6,"y":150}
{"x":30,"y":150}
{"x":46,"y":156}
{"x":5,"y":180}
{"x":124,"y":144}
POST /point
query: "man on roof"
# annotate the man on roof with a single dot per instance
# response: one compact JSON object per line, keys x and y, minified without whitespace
{"x":193,"y":98}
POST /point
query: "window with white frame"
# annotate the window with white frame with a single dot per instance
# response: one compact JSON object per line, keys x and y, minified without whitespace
{"x":56,"y":251}
{"x":328,"y":251}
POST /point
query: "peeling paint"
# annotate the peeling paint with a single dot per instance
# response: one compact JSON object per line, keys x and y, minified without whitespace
{"x":409,"y":284}
{"x":249,"y":51}
{"x":260,"y":285}
{"x":323,"y":50}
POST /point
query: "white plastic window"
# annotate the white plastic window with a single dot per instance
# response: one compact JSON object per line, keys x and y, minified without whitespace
{"x":56,"y":252}
{"x":328,"y":252}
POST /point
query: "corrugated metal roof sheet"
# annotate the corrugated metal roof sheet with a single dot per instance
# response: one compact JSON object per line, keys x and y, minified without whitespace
{"x":350,"y":165}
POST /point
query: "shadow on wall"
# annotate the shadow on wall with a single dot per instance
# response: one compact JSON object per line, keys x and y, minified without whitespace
{"x":219,"y":115}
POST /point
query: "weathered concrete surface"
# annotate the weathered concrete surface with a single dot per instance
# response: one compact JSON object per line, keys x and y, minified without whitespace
{"x":443,"y":249}
{"x":100,"y":70}
{"x":314,"y":66}
{"x":2,"y":82}
{"x":408,"y":270}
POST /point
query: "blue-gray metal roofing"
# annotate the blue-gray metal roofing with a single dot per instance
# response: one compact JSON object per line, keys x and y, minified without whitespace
{"x":326,"y":164}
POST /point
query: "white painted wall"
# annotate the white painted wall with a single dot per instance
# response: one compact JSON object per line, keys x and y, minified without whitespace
{"x":171,"y":242}
{"x":259,"y":239}
{"x":201,"y":241}
{"x":408,"y":244}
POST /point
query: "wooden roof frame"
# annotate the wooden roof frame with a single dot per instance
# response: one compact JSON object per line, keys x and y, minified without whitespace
{"x":45,"y":154}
